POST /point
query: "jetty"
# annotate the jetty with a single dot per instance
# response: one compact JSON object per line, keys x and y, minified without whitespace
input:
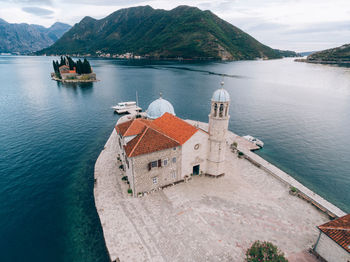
{"x":208,"y":219}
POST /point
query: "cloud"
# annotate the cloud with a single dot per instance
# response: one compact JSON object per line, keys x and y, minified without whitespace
{"x":25,"y":2}
{"x":37,"y":11}
{"x":125,"y":3}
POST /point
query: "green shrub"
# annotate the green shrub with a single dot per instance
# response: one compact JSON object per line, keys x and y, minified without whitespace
{"x":293,"y":189}
{"x":235,"y":144}
{"x":129,"y":191}
{"x":121,"y":167}
{"x":240,"y":154}
{"x":125,"y":178}
{"x":264,"y":252}
{"x":85,"y":77}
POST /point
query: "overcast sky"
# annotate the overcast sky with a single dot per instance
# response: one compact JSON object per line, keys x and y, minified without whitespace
{"x":299,"y":25}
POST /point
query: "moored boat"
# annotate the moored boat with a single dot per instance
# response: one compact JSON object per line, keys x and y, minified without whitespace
{"x":126,"y":107}
{"x":254,"y":140}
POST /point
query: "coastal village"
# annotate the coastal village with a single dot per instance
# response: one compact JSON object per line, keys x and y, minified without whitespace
{"x":168,"y":189}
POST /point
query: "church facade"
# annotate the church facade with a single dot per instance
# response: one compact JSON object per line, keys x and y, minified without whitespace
{"x":160,"y":149}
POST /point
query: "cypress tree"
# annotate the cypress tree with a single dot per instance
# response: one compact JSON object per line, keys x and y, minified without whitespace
{"x":63,"y":61}
{"x":54,"y":66}
{"x":89,"y":67}
{"x":86,"y":67}
{"x":79,"y":67}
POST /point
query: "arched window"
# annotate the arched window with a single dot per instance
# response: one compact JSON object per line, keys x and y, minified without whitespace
{"x":215,"y":109}
{"x":221,"y":110}
{"x":226,"y":109}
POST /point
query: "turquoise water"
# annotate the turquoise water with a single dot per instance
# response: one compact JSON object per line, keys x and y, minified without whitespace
{"x":51,"y":135}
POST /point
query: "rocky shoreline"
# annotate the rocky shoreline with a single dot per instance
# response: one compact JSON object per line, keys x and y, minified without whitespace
{"x":74,"y":80}
{"x":324,"y":62}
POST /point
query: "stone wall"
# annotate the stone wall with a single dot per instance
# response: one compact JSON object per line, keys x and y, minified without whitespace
{"x":331,"y":251}
{"x":194,"y":152}
{"x":165,"y":175}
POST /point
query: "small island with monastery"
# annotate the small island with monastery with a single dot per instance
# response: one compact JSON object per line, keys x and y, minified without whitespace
{"x":168,"y":189}
{"x":67,"y":70}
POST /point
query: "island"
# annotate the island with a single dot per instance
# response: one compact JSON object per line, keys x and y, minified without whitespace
{"x":67,"y":70}
{"x":171,"y":189}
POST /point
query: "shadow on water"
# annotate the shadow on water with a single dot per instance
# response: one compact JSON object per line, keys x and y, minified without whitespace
{"x":84,"y":88}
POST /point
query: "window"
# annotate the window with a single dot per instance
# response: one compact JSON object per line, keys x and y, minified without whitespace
{"x":174,"y":148}
{"x":153,"y":164}
{"x":196,"y":146}
{"x":173,"y":174}
{"x":174,"y":159}
{"x":215,"y":109}
{"x":127,"y":162}
{"x":155,"y":180}
{"x":221,"y":110}
{"x":165,"y":162}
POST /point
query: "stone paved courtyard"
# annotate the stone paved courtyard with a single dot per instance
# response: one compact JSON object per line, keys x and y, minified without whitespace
{"x":205,"y":219}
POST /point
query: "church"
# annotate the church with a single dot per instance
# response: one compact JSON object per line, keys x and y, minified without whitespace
{"x":159,"y":149}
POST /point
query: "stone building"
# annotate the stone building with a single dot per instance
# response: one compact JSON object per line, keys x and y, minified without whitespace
{"x":160,"y":149}
{"x":333,"y":243}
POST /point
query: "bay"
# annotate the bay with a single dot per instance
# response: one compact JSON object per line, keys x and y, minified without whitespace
{"x":51,"y":135}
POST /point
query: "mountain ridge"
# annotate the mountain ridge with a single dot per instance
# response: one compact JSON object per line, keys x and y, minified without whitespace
{"x":26,"y":38}
{"x":337,"y":55}
{"x":184,"y":31}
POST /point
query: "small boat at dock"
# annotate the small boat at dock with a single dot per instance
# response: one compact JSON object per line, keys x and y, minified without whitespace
{"x":254,"y":140}
{"x":127,"y":107}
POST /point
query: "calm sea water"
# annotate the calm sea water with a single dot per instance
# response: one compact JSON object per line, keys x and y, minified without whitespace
{"x":51,"y":135}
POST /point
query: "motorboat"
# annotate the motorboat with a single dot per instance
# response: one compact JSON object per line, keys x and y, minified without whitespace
{"x":127,"y":107}
{"x":254,"y":140}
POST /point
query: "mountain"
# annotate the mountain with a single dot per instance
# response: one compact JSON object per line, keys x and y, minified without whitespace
{"x":184,"y":31}
{"x":336,"y":55}
{"x":25,"y":38}
{"x":306,"y":53}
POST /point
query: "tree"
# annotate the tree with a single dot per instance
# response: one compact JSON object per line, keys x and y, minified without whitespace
{"x":55,"y":69}
{"x":79,"y":67}
{"x":71,"y":63}
{"x":63,"y":61}
{"x":86,"y":67}
{"x":264,"y":252}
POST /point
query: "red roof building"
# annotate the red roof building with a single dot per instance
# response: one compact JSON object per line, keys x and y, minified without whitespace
{"x":157,"y":148}
{"x":333,"y":243}
{"x":154,"y":135}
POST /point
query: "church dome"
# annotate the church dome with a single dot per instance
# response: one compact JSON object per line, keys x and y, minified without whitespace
{"x":221,"y":95}
{"x":158,"y":107}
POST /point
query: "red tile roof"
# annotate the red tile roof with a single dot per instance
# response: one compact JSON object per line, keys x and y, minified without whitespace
{"x":175,"y":127}
{"x":162,"y":133}
{"x":339,"y":231}
{"x":132,"y":127}
{"x":148,"y":141}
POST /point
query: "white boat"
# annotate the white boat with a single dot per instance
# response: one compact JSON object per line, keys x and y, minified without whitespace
{"x":254,"y":140}
{"x":127,"y":107}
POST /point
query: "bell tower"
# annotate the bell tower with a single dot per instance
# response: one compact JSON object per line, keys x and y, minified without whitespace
{"x":218,"y":125}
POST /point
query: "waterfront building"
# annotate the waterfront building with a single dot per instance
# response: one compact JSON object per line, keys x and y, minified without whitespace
{"x":161,"y":149}
{"x":333,"y":243}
